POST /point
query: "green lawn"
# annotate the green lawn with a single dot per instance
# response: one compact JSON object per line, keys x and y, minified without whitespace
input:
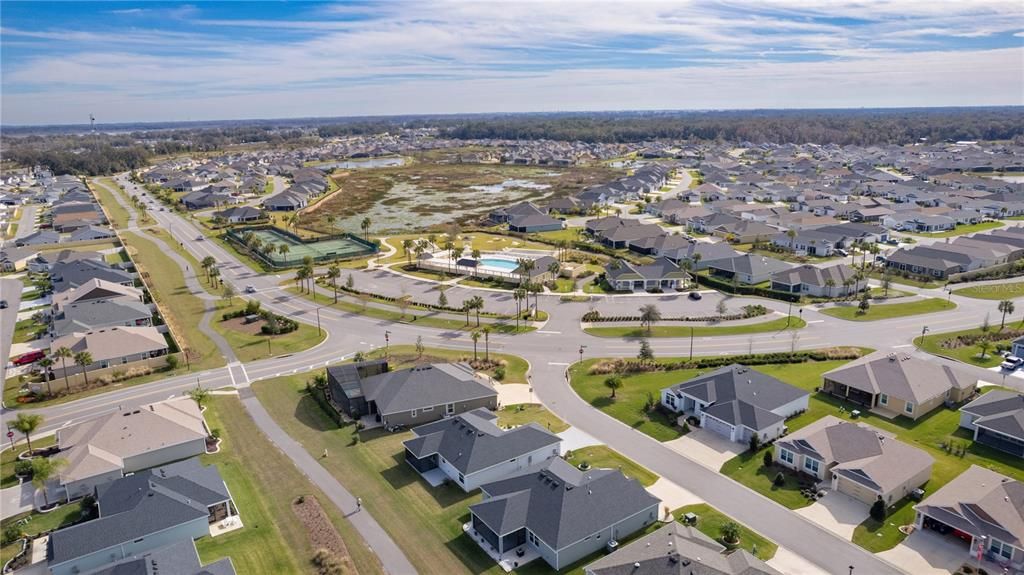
{"x":524,"y":413}
{"x":567,"y":234}
{"x":946,"y":344}
{"x":890,"y":310}
{"x":915,"y":282}
{"x":263,"y":484}
{"x":637,"y":389}
{"x":710,"y":522}
{"x":26,"y":330}
{"x":9,"y":456}
{"x":698,"y":331}
{"x":482,"y":241}
{"x":116,"y":213}
{"x":604,"y":457}
{"x":993,"y":291}
{"x":749,"y":470}
{"x":250,"y":347}
{"x":62,"y":516}
{"x":959,"y":230}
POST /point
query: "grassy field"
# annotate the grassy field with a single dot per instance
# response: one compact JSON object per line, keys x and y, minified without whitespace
{"x":898,"y":279}
{"x":604,"y":457}
{"x":698,"y":331}
{"x":710,"y":522}
{"x":567,"y":234}
{"x":890,"y":310}
{"x":250,"y":347}
{"x":637,"y":389}
{"x":512,"y":415}
{"x":959,"y":230}
{"x":993,"y":291}
{"x":945,"y":344}
{"x":263,"y":484}
{"x":105,"y":188}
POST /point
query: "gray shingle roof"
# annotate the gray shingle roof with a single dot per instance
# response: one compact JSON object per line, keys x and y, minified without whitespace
{"x":425,"y":386}
{"x":561,"y":504}
{"x":472,"y":442}
{"x":740,"y":396}
{"x":180,"y":558}
{"x":901,"y":376}
{"x":999,"y":410}
{"x":980,"y":502}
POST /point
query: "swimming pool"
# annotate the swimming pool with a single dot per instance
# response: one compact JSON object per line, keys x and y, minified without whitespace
{"x":498,"y":263}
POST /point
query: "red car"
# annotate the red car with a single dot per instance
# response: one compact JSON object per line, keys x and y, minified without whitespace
{"x":30,"y":357}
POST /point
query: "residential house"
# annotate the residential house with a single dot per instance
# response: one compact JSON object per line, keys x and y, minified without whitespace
{"x":744,"y":231}
{"x":97,"y":314}
{"x":410,"y":396}
{"x":90,"y":233}
{"x":983,"y":507}
{"x":75,"y":273}
{"x":747,"y":269}
{"x":736,"y":402}
{"x":662,"y":274}
{"x":111,"y":347}
{"x":38,"y":238}
{"x":620,"y":237}
{"x":505,"y":214}
{"x":470,"y":449}
{"x":855,"y":459}
{"x":997,"y":420}
{"x":698,"y":255}
{"x":677,"y":549}
{"x":239,"y":214}
{"x":559,"y":513}
{"x":94,"y":290}
{"x":286,"y":201}
{"x":534,"y":223}
{"x":142,"y":513}
{"x":16,"y":259}
{"x":109,"y":446}
{"x":839,"y":280}
{"x":180,"y":558}
{"x":810,"y":242}
{"x":899,"y":384}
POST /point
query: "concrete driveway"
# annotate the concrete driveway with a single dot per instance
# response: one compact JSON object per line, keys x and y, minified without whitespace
{"x":672,"y":495}
{"x":514,"y":394}
{"x":926,"y":552}
{"x":785,"y":561}
{"x":17,"y":499}
{"x":837,"y":512}
{"x":709,"y":449}
{"x":574,"y":438}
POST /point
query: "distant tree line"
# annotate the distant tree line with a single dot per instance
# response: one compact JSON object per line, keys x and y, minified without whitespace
{"x":856,"y":127}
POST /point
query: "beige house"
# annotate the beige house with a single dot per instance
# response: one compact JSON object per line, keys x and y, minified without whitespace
{"x":94,"y":290}
{"x":898,"y":384}
{"x":856,"y":459}
{"x":107,"y":447}
{"x":111,"y":347}
{"x":981,"y":507}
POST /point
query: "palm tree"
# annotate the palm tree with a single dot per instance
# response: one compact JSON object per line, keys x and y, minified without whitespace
{"x":215,"y":276}
{"x":27,"y":424}
{"x":649,"y":315}
{"x":467,"y":306}
{"x":333,"y":273}
{"x":613,"y":382}
{"x":207,"y":263}
{"x":407,"y":246}
{"x":365,"y":225}
{"x":45,"y":363}
{"x":478,"y":304}
{"x":63,"y":354}
{"x":1006,"y":307}
{"x":44,"y":469}
{"x":330,"y":221}
{"x":554,"y":268}
{"x":475,"y":253}
{"x":475,"y":336}
{"x":300,"y":278}
{"x":791,"y":234}
{"x":525,"y":267}
{"x":83,"y":359}
{"x":487,"y":343}
{"x":283,"y":249}
{"x":199,"y":395}
{"x":449,"y":246}
{"x":518,"y":294}
{"x":457,"y":255}
{"x":830,"y":283}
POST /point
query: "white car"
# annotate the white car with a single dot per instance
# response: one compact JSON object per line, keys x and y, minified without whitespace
{"x":1012,"y":362}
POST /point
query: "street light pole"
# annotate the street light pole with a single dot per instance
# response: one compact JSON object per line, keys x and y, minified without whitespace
{"x":789,"y":314}
{"x":924,"y":330}
{"x":318,"y":330}
{"x":691,"y":342}
{"x":387,"y":343}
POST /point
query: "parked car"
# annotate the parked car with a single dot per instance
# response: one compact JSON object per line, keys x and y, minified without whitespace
{"x":1012,"y":362}
{"x":3,"y":304}
{"x":695,"y":296}
{"x":841,"y":252}
{"x":30,"y":357}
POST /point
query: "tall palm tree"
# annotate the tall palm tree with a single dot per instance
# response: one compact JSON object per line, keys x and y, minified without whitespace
{"x":207,"y":263}
{"x":365,"y":225}
{"x":45,"y":363}
{"x":64,"y":354}
{"x":475,"y":336}
{"x":487,"y":343}
{"x":554,"y":268}
{"x":830,"y":283}
{"x":83,"y":359}
{"x":300,"y":278}
{"x":215,"y":276}
{"x":333,"y":273}
{"x":518,"y":294}
{"x":27,"y":424}
{"x":478,"y":305}
{"x":283,"y":249}
{"x":407,"y":247}
{"x":1006,"y":307}
{"x":44,"y":469}
{"x":525,"y":267}
{"x":649,"y":315}
{"x":330,"y":221}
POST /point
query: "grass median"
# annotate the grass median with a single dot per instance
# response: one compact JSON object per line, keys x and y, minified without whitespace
{"x":890,"y":310}
{"x":965,"y":345}
{"x":775,"y":325}
{"x":993,"y":291}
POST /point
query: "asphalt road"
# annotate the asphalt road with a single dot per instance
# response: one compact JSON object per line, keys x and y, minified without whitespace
{"x":550,"y":350}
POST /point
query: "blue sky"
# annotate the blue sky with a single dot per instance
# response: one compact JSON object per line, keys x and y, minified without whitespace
{"x":156,"y":61}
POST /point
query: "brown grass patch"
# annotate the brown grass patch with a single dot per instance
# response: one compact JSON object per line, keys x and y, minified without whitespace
{"x":322,"y":535}
{"x":238,"y":324}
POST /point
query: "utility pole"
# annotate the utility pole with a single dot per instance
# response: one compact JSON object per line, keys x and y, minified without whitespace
{"x":691,"y":343}
{"x":318,"y":330}
{"x":387,"y":343}
{"x":789,"y":314}
{"x":924,"y":330}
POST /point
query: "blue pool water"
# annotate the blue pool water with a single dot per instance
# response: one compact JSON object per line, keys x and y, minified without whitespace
{"x":506,"y":265}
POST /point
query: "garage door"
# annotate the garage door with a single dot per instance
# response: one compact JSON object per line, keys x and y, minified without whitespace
{"x":856,"y":490}
{"x":717,"y":426}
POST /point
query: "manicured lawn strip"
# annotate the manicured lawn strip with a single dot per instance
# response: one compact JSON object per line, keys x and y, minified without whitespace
{"x":890,"y":310}
{"x":403,"y":356}
{"x":180,"y":308}
{"x":426,"y":319}
{"x":604,"y":457}
{"x":932,"y":343}
{"x":568,"y":234}
{"x":26,"y":330}
{"x":631,"y":398}
{"x":513,"y":415}
{"x":115,"y":211}
{"x":898,"y":279}
{"x":263,"y":484}
{"x":993,"y":291}
{"x":710,"y":522}
{"x":482,"y":241}
{"x":959,"y":230}
{"x":698,"y":331}
{"x":41,"y":523}
{"x":748,"y":469}
{"x":250,"y":347}
{"x":8,"y":456}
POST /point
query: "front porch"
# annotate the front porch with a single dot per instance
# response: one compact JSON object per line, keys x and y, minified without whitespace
{"x":508,"y":559}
